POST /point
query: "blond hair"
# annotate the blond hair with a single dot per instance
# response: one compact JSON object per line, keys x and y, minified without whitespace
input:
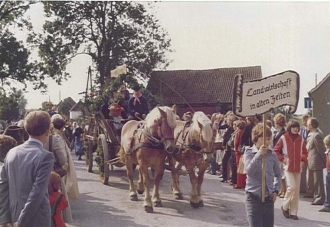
{"x":279,"y":119}
{"x":258,"y":131}
{"x":326,"y":141}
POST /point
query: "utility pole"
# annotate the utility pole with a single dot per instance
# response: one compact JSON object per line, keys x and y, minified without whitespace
{"x":315,"y":79}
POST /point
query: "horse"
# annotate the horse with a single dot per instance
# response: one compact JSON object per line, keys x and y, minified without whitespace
{"x":147,"y":143}
{"x":195,"y":141}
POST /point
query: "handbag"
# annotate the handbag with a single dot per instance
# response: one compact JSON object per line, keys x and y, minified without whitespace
{"x":240,"y":168}
{"x":57,"y":168}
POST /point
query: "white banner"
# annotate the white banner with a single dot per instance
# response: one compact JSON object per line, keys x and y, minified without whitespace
{"x":260,"y":96}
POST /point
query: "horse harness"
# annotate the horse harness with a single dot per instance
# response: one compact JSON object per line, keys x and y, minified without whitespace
{"x":192,"y":147}
{"x":153,"y":143}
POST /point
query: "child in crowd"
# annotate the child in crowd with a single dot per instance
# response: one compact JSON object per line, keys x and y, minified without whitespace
{"x":6,"y":143}
{"x":326,"y":205}
{"x":261,"y":214}
{"x":57,"y":200}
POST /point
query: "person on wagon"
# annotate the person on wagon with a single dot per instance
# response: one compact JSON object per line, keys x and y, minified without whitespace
{"x":261,"y":214}
{"x":137,"y":105}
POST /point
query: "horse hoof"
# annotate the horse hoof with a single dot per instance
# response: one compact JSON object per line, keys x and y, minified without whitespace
{"x":194,"y":205}
{"x":158,"y":204}
{"x":134,"y":198}
{"x":148,"y":209}
{"x":140,"y":192}
{"x":201,"y":203}
{"x":178,"y":196}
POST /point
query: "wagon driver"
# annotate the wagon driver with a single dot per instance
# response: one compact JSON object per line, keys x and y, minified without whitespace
{"x":137,"y":105}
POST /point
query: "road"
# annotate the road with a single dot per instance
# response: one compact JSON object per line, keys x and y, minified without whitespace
{"x":109,"y":205}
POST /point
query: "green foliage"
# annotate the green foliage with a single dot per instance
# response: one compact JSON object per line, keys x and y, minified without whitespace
{"x":8,"y":107}
{"x":15,"y":64}
{"x":111,"y":33}
{"x":46,"y":106}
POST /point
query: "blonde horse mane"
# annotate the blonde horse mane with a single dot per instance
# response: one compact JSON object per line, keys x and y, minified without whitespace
{"x":207,"y":132}
{"x":155,"y":114}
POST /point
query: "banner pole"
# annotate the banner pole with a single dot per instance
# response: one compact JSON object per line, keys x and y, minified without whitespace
{"x":263,"y":166}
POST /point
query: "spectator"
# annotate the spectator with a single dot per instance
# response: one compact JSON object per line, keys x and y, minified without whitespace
{"x":326,"y":205}
{"x":291,"y":151}
{"x":261,"y":213}
{"x":226,"y":137}
{"x":78,"y":141}
{"x":70,"y":179}
{"x":6,"y":143}
{"x":279,"y":121}
{"x":241,"y":176}
{"x":24,"y":177}
{"x":304,"y":132}
{"x":137,"y":105}
{"x":57,"y":200}
{"x":316,"y":161}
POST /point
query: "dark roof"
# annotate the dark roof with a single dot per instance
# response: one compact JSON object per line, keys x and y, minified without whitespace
{"x":319,"y":84}
{"x":78,"y":106}
{"x":199,"y":86}
{"x":69,"y":101}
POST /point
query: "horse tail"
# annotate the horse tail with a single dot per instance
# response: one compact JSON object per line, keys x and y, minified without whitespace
{"x":122,"y":155}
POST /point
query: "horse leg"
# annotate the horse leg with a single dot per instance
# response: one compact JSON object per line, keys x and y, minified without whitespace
{"x":140,"y":187}
{"x":159,"y":171}
{"x":177,"y":194}
{"x":194,"y":198}
{"x":130,"y":172}
{"x":146,"y":182}
{"x":202,"y":168}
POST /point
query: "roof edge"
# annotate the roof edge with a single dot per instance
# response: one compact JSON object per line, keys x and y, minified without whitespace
{"x":319,"y":84}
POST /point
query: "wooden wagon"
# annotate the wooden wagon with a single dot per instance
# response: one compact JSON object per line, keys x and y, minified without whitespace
{"x":102,"y":138}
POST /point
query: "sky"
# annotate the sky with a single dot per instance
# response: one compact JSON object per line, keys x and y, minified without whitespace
{"x":277,"y":36}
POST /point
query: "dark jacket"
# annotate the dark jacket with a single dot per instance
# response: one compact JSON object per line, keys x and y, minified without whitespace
{"x":140,"y":107}
{"x":278,"y":136}
{"x":246,"y":138}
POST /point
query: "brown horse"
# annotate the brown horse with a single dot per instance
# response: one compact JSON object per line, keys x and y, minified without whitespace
{"x":147,"y":144}
{"x":195,"y":141}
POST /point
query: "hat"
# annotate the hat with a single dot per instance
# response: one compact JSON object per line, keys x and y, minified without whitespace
{"x":136,"y":88}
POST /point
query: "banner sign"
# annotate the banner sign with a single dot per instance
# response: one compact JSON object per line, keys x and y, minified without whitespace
{"x":260,"y":96}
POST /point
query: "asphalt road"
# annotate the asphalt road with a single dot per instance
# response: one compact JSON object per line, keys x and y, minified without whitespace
{"x":109,"y":205}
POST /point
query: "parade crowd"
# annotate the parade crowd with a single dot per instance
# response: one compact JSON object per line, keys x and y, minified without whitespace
{"x":38,"y":177}
{"x":36,"y":185}
{"x":295,"y":158}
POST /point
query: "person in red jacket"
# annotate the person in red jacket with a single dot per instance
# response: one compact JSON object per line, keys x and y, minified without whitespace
{"x":291,"y":151}
{"x":57,"y":200}
{"x":241,"y":176}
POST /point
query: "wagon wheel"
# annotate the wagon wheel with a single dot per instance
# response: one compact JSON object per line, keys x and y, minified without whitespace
{"x":102,"y":142}
{"x":90,"y":156}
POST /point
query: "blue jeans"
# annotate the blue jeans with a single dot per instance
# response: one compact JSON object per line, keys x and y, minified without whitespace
{"x":327,"y":187}
{"x":259,"y":214}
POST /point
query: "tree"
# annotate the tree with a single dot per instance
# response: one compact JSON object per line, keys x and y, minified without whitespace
{"x":14,"y":56}
{"x":8,"y":107}
{"x":111,"y":33}
{"x":19,"y":98}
